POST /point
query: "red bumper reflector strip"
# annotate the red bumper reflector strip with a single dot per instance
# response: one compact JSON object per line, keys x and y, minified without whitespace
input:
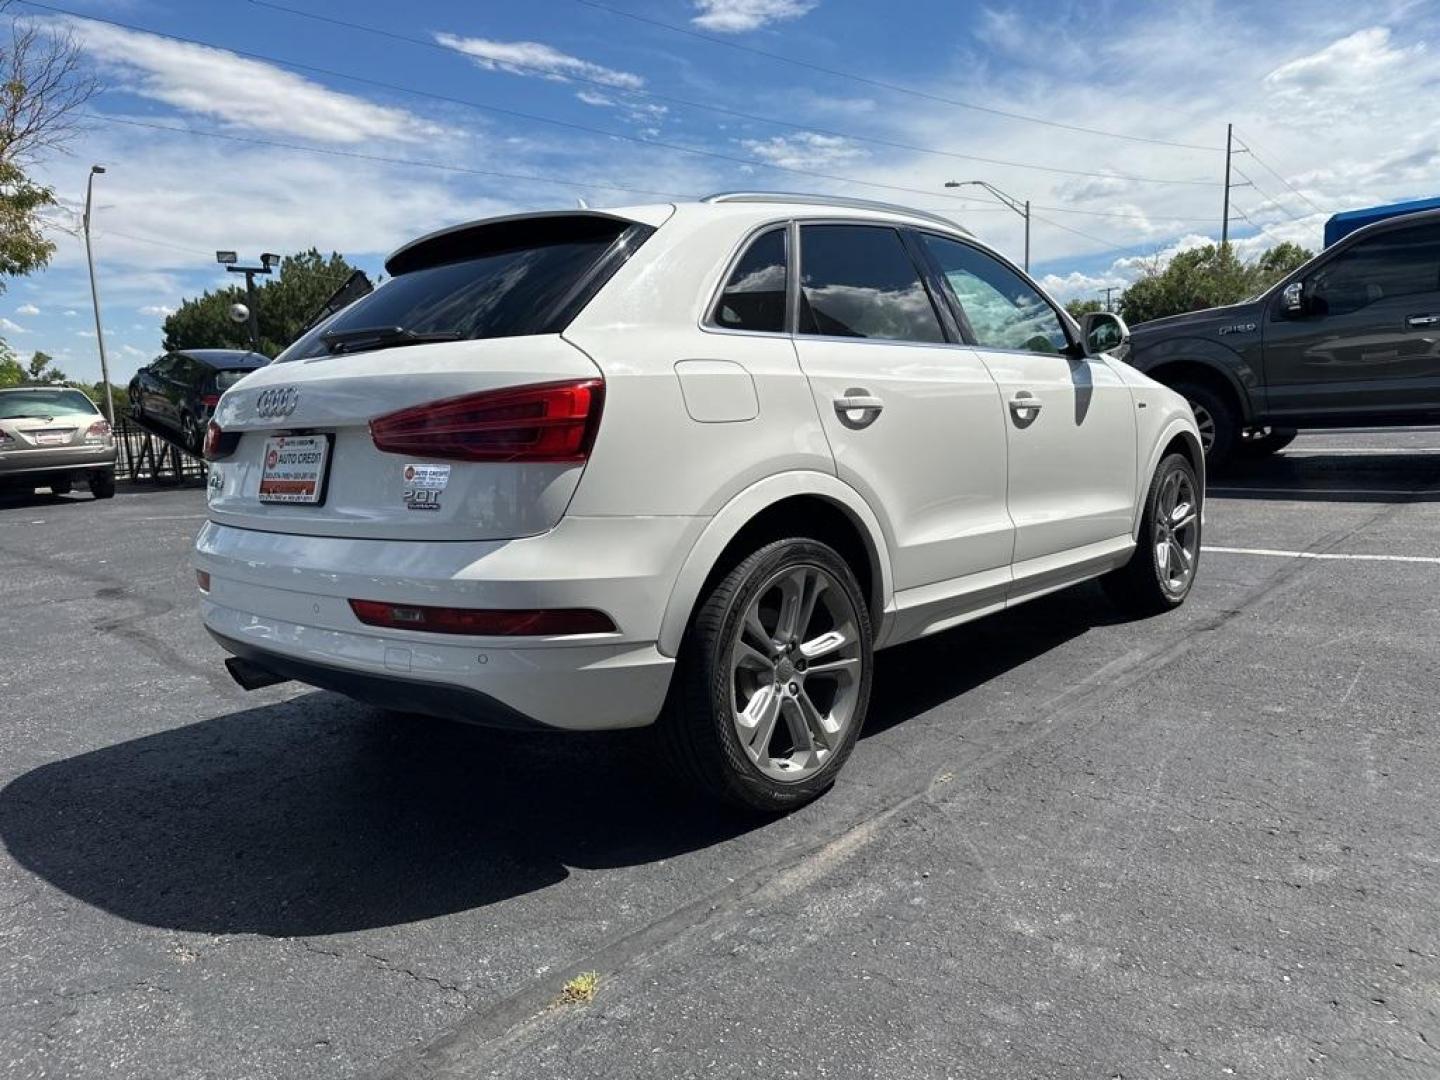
{"x":202,"y":578}
{"x":549,"y":622}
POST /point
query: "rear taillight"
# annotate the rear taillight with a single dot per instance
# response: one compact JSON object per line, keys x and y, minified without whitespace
{"x":219,"y":443}
{"x":491,"y":622}
{"x":210,"y":400}
{"x":6,"y":440}
{"x":99,"y":430}
{"x":553,"y":422}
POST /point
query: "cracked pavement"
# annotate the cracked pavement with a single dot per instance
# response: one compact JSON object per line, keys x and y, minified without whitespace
{"x":1068,"y":845}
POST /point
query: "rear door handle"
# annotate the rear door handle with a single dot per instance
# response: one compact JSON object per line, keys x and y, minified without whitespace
{"x":1418,"y":321}
{"x":857,"y":409}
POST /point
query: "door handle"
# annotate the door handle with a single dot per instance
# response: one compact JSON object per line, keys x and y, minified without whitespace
{"x":1025,"y":405}
{"x":1418,"y":321}
{"x":857,"y":409}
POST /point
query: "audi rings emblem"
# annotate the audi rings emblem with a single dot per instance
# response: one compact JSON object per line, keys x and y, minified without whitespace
{"x":280,"y":401}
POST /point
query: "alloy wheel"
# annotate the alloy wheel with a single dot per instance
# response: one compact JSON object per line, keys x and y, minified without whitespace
{"x":1206,"y":423}
{"x":1176,"y":532}
{"x":795,"y":673}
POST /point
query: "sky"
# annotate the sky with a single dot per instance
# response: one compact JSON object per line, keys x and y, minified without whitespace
{"x":271,"y":125}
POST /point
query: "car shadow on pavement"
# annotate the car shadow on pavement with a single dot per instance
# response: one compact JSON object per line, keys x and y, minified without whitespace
{"x":317,"y":815}
{"x":1320,"y":477}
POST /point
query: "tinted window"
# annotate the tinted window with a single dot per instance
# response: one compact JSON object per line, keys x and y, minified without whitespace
{"x":754,"y":297}
{"x":1397,"y":263}
{"x":38,"y":402}
{"x":859,"y":281}
{"x":226,"y":379}
{"x":1004,"y":310}
{"x":503,"y":294}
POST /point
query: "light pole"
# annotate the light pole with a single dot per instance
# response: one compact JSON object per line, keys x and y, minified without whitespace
{"x":1021,"y":207}
{"x":96,"y":170}
{"x":268,"y":262}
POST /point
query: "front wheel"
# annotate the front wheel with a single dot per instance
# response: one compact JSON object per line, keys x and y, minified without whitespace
{"x":773,"y":679}
{"x":1160,"y":573}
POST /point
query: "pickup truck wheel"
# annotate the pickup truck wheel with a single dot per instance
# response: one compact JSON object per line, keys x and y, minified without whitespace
{"x":1160,"y":573}
{"x":773,"y":679}
{"x":1267,"y":441}
{"x":1215,"y":417}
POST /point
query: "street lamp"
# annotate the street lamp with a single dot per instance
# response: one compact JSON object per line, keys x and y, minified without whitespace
{"x":268,"y":262}
{"x":1021,"y":208}
{"x":97,"y":170}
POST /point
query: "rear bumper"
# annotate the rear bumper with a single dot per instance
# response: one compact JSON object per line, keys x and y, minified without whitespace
{"x":57,"y":459}
{"x":281,"y":601}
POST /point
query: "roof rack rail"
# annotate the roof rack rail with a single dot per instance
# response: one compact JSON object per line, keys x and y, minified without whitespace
{"x":832,"y":200}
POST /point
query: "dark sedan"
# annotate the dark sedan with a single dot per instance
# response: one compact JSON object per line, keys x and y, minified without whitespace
{"x":180,"y":389}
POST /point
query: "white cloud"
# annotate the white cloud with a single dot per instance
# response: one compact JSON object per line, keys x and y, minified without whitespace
{"x":71,"y":313}
{"x":240,"y":92}
{"x":537,"y":59}
{"x":85,"y":333}
{"x":131,"y":350}
{"x":27,"y":309}
{"x":590,"y":97}
{"x":12,"y":327}
{"x":158,"y":310}
{"x":736,"y":16}
{"x":1358,"y":58}
{"x":805,"y":150}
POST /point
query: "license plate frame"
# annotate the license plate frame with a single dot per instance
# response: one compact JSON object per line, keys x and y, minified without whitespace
{"x":300,"y":483}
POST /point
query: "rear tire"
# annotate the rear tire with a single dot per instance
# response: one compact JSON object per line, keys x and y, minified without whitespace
{"x":102,"y":483}
{"x":1217,"y":420}
{"x":763,"y":713}
{"x":1272,"y":441}
{"x":1162,"y":570}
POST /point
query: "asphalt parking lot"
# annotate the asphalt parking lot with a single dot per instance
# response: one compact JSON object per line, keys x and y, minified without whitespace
{"x":1067,"y":845}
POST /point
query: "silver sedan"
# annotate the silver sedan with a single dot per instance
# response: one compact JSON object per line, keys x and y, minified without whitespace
{"x":52,"y":436}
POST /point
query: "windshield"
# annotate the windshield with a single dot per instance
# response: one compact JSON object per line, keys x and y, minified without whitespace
{"x":503,"y":294}
{"x":15,"y":404}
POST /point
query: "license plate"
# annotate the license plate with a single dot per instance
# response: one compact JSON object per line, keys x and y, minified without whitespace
{"x":52,"y":438}
{"x":293,"y":470}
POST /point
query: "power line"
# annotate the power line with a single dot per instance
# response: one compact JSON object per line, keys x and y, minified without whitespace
{"x":513,"y":113}
{"x":722,"y":110}
{"x":895,"y":87}
{"x":1250,"y":146}
{"x":1271,"y":198}
{"x":330,"y":152}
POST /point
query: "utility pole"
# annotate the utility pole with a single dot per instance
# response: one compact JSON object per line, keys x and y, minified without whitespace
{"x":1107,"y":290}
{"x":1021,"y":207}
{"x":97,"y":170}
{"x":1225,"y":214}
{"x":268,"y":262}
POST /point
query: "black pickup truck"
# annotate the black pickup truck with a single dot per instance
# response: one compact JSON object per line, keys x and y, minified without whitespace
{"x":1351,"y":338}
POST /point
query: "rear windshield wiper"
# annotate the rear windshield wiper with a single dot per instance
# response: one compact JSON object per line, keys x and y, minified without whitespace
{"x":379,"y":337}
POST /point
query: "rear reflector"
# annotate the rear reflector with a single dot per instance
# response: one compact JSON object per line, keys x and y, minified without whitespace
{"x":547,"y":422}
{"x":481,"y":622}
{"x":202,"y":578}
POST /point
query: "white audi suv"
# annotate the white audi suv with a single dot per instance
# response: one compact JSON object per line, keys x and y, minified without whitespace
{"x":687,"y":465}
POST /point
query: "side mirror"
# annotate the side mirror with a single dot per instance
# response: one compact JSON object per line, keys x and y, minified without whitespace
{"x":1103,"y":331}
{"x":1292,"y":298}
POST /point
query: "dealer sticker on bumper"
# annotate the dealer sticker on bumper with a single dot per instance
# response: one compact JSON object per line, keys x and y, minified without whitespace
{"x":423,"y":485}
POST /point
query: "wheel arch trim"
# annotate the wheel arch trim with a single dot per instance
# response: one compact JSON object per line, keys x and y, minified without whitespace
{"x":743,"y":508}
{"x":1177,"y":427}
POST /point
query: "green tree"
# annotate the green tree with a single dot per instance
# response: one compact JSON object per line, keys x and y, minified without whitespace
{"x":42,"y":369}
{"x":1206,"y":277}
{"x":285,"y":304}
{"x":11,"y":373}
{"x":1080,"y":308}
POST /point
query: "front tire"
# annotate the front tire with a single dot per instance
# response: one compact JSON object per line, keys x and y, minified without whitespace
{"x":1217,"y":420}
{"x":773,"y":679}
{"x":1161,"y":572}
{"x":102,"y":483}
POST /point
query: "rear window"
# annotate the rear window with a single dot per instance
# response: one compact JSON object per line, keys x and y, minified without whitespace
{"x":15,"y":404}
{"x":528,"y":288}
{"x":226,"y":379}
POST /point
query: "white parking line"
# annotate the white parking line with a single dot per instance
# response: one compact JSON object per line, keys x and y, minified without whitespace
{"x":1361,"y":450}
{"x":1322,"y":555}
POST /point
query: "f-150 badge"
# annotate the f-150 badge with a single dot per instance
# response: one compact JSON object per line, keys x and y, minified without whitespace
{"x":1238,"y":328}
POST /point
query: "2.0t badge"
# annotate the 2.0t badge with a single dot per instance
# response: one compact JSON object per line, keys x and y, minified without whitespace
{"x":277,"y":402}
